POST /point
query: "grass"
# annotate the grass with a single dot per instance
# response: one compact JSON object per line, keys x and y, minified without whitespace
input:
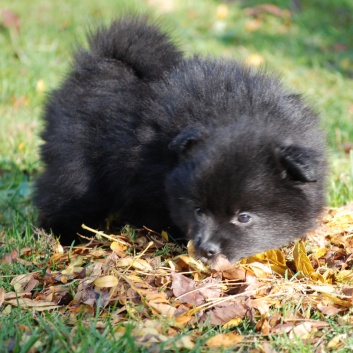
{"x":312,"y":51}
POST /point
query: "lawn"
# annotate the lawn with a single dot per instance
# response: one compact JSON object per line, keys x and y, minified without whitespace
{"x":308,"y":43}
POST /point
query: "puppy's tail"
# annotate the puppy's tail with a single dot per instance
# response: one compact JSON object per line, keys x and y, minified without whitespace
{"x":135,"y":42}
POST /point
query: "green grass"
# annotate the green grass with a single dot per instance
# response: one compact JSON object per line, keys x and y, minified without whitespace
{"x":313,"y":53}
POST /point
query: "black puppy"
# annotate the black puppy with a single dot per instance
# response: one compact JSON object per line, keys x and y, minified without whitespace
{"x":221,"y":153}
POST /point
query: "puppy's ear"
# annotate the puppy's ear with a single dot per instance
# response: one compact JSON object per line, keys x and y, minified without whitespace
{"x":298,"y":163}
{"x":188,"y":138}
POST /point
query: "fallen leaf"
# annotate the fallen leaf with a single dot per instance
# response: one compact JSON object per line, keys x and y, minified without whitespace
{"x":232,"y":323}
{"x":302,"y":331}
{"x":2,"y":296}
{"x":337,"y":341}
{"x":40,"y":87}
{"x":223,"y":313}
{"x":270,"y":9}
{"x":10,"y":258}
{"x":255,"y":60}
{"x":106,"y":281}
{"x":328,"y":309}
{"x":222,"y":12}
{"x":10,"y":19}
{"x":185,"y":290}
{"x":38,"y":305}
{"x":224,"y":340}
{"x":184,"y":342}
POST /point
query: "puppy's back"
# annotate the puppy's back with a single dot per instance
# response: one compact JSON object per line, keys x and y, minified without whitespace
{"x":99,"y":99}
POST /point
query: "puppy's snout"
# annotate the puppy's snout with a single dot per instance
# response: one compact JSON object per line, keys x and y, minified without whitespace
{"x":209,"y":250}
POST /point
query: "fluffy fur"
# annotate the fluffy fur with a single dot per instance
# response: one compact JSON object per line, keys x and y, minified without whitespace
{"x":207,"y":148}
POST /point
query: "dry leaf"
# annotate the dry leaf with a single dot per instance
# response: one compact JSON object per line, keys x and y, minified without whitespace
{"x":255,"y":60}
{"x":232,"y":323}
{"x":224,"y":340}
{"x":10,"y":258}
{"x":185,"y":290}
{"x":2,"y":296}
{"x":223,"y":313}
{"x":337,"y":341}
{"x":10,"y":20}
{"x":302,"y":331}
{"x":106,"y":282}
{"x":222,"y":12}
{"x":25,"y":303}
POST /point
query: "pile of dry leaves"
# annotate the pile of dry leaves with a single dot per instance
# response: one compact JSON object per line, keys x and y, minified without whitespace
{"x":143,"y":280}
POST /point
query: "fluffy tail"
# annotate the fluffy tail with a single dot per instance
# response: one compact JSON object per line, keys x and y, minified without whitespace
{"x":135,"y":42}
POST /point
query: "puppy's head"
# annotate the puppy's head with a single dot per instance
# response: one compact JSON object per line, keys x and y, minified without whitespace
{"x":241,"y":193}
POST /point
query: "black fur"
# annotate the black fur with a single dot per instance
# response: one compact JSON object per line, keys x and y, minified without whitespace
{"x":213,"y":149}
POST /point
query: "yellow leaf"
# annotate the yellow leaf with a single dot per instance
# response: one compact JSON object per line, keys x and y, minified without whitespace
{"x":253,"y":25}
{"x":260,"y":270}
{"x":320,"y":253}
{"x":255,"y":60}
{"x":276,"y":257}
{"x":106,"y":281}
{"x":165,"y":235}
{"x":222,"y":12}
{"x":136,"y":263}
{"x":118,"y":247}
{"x":301,"y":260}
{"x":345,"y":276}
{"x":232,"y":323}
{"x":40,"y":87}
{"x":193,"y":264}
{"x":346,"y":64}
{"x":338,"y":301}
{"x":21,"y":146}
{"x":225,"y":340}
{"x":337,"y":341}
{"x":71,"y":270}
{"x":182,"y":320}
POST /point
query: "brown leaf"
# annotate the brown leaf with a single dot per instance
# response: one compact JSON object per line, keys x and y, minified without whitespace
{"x":2,"y":296}
{"x":228,"y":270}
{"x":221,"y":314}
{"x":270,"y":9}
{"x":10,"y":20}
{"x":185,"y":290}
{"x":283,"y":328}
{"x":302,"y":331}
{"x":26,"y":251}
{"x":33,"y":304}
{"x":261,"y":306}
{"x":329,"y":309}
{"x":10,"y":258}
{"x":210,"y":288}
{"x":21,"y":281}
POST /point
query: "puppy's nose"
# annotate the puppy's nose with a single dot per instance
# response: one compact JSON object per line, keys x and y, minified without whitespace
{"x":209,"y":250}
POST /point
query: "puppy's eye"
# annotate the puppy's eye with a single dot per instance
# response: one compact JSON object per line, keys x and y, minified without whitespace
{"x":244,"y":218}
{"x":199,"y":212}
